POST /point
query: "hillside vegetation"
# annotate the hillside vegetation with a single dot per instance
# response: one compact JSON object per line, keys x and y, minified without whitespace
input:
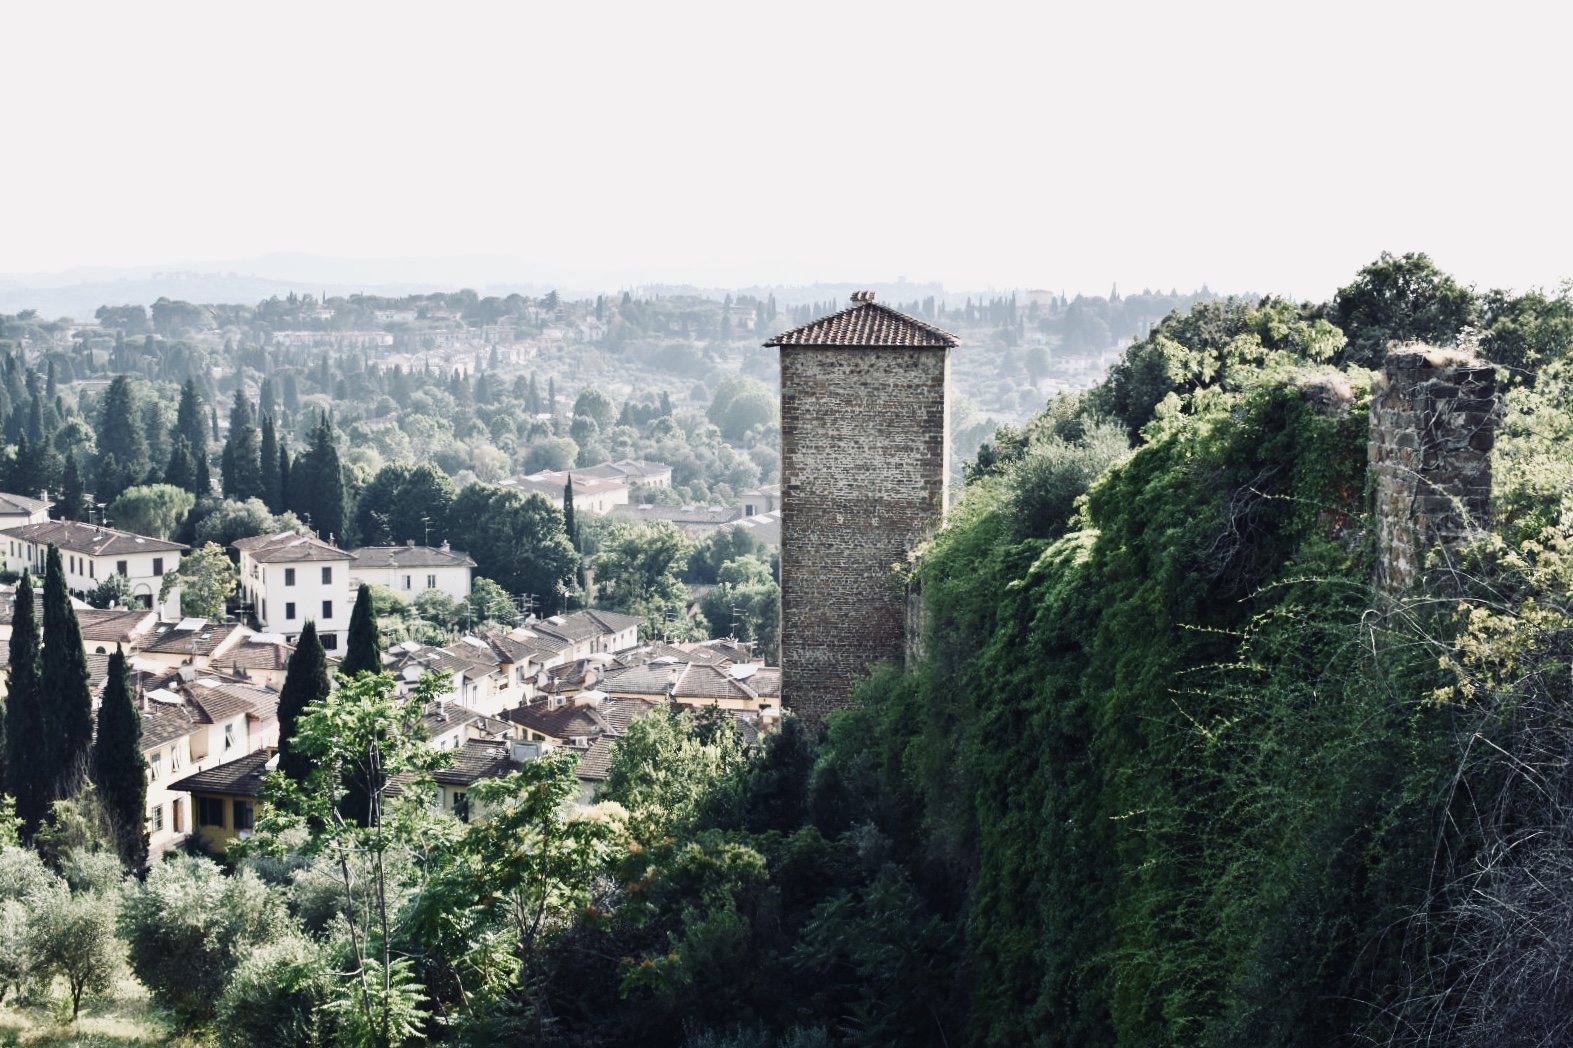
{"x":1168,"y":773}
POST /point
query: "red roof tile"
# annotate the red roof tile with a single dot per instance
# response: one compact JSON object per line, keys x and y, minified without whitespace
{"x":867,"y":324}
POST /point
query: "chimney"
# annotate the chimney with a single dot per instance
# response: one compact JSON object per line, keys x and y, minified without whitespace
{"x":862,"y":298}
{"x":410,"y":543}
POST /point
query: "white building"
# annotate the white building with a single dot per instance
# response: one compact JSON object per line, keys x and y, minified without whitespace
{"x":411,"y":570}
{"x":290,"y":579}
{"x":591,"y":493}
{"x":638,"y":473}
{"x":90,"y":554}
{"x":16,"y":510}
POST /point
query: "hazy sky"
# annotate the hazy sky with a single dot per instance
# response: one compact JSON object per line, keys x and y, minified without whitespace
{"x":1271,"y":147}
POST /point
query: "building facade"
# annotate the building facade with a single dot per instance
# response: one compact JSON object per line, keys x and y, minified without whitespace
{"x":90,"y":554}
{"x":865,"y":464}
{"x":290,"y":579}
{"x":411,"y":570}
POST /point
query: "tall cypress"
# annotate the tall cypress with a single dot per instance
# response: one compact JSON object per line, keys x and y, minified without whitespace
{"x":181,"y":471}
{"x":72,"y":503}
{"x":191,"y":421}
{"x":316,"y":483}
{"x":363,"y":649}
{"x":305,"y":682}
{"x":117,"y":768}
{"x":569,"y":527}
{"x":284,"y":474}
{"x":63,"y":665}
{"x":122,"y":445}
{"x":272,"y":493}
{"x":242,"y":456}
{"x":28,"y":777}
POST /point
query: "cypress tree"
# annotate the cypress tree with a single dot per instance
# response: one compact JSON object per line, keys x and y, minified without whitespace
{"x":182,"y":469}
{"x":305,"y":682}
{"x":68,"y":710}
{"x":28,"y":777}
{"x":72,"y":503}
{"x":317,"y":483}
{"x":204,"y":482}
{"x":272,"y":494}
{"x":123,"y":446}
{"x":568,"y":522}
{"x":363,"y":650}
{"x":242,"y":456}
{"x":284,"y":474}
{"x":117,"y":768}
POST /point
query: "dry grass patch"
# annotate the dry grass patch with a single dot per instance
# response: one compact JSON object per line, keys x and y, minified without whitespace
{"x":125,"y":1020}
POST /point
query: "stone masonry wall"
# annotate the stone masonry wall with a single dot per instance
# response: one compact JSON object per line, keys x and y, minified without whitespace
{"x":1430,"y":459}
{"x":865,"y":450}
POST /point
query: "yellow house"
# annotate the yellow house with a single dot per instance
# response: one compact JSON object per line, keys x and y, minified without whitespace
{"x":224,"y":799}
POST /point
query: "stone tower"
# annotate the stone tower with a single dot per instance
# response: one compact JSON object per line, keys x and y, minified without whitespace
{"x":1432,"y":429}
{"x":865,"y":464}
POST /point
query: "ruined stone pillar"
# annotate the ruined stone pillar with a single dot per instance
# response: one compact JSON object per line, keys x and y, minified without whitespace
{"x":1432,"y":428}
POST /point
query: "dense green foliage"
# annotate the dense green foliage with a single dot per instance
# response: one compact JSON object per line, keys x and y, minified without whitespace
{"x":67,"y":736}
{"x":117,"y":766}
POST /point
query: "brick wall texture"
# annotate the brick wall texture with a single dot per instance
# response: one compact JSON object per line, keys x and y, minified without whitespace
{"x":865,"y":448}
{"x":1432,"y":430}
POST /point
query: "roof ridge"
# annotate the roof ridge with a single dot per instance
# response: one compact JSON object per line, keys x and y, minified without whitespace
{"x":866,"y":323}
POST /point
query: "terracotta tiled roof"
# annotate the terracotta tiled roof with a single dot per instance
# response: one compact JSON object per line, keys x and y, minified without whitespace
{"x":867,"y":324}
{"x":619,"y":713}
{"x":564,"y":722}
{"x":162,"y":724}
{"x":288,"y":547}
{"x":241,"y":777}
{"x":89,"y":539}
{"x":653,"y":678}
{"x":8,"y":604}
{"x":477,"y":759}
{"x":112,"y":625}
{"x":368,"y":557}
{"x":220,"y":700}
{"x":445,"y":716}
{"x":20,"y":505}
{"x":255,"y":654}
{"x":630,"y":471}
{"x":709,"y":684}
{"x":595,"y":760}
{"x":196,"y":640}
{"x":584,"y":625}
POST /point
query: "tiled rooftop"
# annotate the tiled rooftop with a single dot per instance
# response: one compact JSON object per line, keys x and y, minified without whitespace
{"x":867,"y":324}
{"x":89,"y":539}
{"x":368,"y":557}
{"x":288,"y":547}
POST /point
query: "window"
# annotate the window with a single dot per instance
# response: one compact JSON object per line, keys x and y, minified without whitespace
{"x":431,"y":582}
{"x":229,"y":736}
{"x":92,"y":569}
{"x":120,"y":568}
{"x":158,"y":817}
{"x":155,"y":767}
{"x":210,"y":812}
{"x":245,"y":815}
{"x":177,"y":809}
{"x":289,"y":576}
{"x":327,"y":576}
{"x":461,"y":805}
{"x":406,"y":582}
{"x":174,"y":758}
{"x":289,"y":612}
{"x":330,"y":641}
{"x":158,"y":566}
{"x":327,"y":609}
